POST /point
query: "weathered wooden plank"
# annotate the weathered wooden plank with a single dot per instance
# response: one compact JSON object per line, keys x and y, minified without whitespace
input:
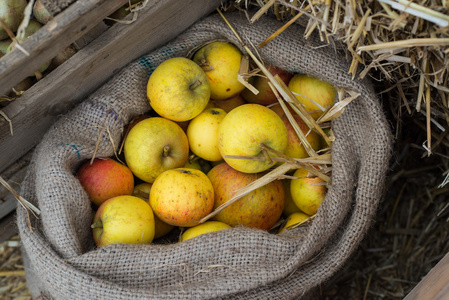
{"x":57,"y":34}
{"x":90,"y":36}
{"x":8,"y":227}
{"x":34,"y":112}
{"x":8,"y":202}
{"x":435,"y":285}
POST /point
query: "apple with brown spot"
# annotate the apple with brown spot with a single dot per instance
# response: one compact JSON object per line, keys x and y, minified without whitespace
{"x":182,"y":196}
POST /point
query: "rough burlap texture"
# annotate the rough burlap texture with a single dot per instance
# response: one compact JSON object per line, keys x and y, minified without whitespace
{"x":241,"y":263}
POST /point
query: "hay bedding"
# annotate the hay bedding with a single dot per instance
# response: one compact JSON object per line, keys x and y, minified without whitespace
{"x":411,"y":233}
{"x":62,"y":262}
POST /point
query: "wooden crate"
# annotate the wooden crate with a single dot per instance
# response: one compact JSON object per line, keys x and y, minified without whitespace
{"x":40,"y":106}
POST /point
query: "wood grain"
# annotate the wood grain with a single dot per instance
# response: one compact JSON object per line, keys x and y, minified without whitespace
{"x":39,"y":107}
{"x":57,"y":34}
{"x":435,"y":285}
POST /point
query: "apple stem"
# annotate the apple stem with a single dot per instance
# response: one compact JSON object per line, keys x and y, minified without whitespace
{"x":205,"y":66}
{"x":97,"y":224}
{"x":267,"y":156}
{"x":166,"y":150}
{"x":196,"y":84}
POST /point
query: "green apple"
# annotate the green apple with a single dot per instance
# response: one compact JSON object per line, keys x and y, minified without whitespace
{"x":221,"y":62}
{"x":242,"y":132}
{"x":202,"y":133}
{"x":260,"y":209}
{"x":4,"y":44}
{"x":32,"y":28}
{"x":123,"y":220}
{"x":155,"y":145}
{"x":104,"y":179}
{"x":12,"y":13}
{"x":178,"y":89}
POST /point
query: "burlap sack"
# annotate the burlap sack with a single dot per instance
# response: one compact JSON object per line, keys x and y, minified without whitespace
{"x":240,"y":263}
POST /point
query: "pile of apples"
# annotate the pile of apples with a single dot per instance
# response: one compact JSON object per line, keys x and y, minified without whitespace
{"x":207,"y":139}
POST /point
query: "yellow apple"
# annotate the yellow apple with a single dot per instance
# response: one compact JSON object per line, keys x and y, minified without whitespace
{"x":203,"y":134}
{"x":307,"y":192}
{"x":260,"y":209}
{"x":154,"y":145}
{"x":242,"y":132}
{"x":295,"y":148}
{"x":182,"y":196}
{"x":178,"y":89}
{"x":230,"y":104}
{"x":311,"y":90}
{"x":292,"y":220}
{"x":221,"y":62}
{"x":208,"y":226}
{"x":142,"y":190}
{"x":123,"y":220}
{"x":104,"y":179}
{"x":266,"y":95}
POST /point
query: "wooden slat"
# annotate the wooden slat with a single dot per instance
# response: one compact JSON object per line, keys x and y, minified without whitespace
{"x":34,"y":112}
{"x":8,"y":227}
{"x":435,"y":285}
{"x":57,"y":34}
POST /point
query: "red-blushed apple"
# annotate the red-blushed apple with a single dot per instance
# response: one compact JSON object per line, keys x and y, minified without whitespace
{"x":266,"y":95}
{"x":182,"y":196}
{"x":105,"y":178}
{"x":260,"y":209}
{"x":123,"y":220}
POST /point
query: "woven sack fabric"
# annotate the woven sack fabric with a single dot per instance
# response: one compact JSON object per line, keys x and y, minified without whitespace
{"x":241,"y":263}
